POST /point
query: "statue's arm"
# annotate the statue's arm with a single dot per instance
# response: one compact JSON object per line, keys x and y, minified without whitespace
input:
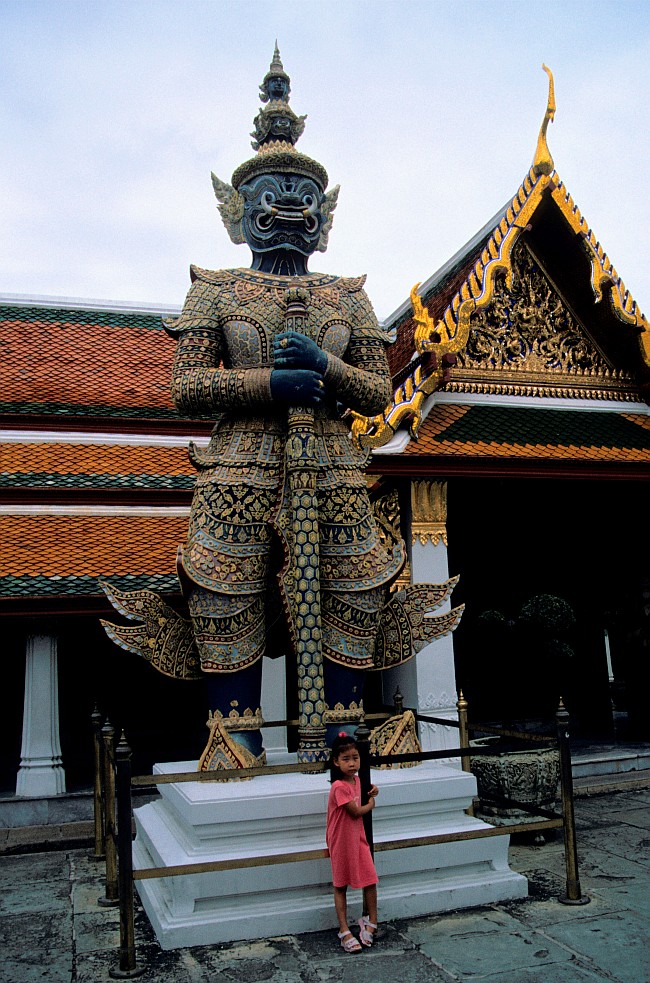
{"x":361,"y":380}
{"x":200,"y":383}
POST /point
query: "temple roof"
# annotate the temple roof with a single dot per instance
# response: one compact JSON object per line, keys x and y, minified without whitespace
{"x":95,"y":478}
{"x":62,"y":362}
{"x":434,"y":328}
{"x":57,"y":552}
{"x":551,"y":435}
{"x":58,"y":466}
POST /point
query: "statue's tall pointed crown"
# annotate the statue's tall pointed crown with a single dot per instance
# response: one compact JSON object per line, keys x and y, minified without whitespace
{"x":276,"y":70}
{"x":277,"y":130}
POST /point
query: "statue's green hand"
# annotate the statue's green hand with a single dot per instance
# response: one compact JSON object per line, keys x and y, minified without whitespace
{"x":297,"y":387}
{"x":292,"y":350}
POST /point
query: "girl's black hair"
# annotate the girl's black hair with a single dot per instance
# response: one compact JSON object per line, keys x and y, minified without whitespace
{"x":340,"y":742}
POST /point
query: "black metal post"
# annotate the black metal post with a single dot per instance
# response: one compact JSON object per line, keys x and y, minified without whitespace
{"x":573,"y":893}
{"x":127,"y":968}
{"x":363,"y":738}
{"x":98,"y":786}
{"x":398,"y":702}
{"x":112,"y":893}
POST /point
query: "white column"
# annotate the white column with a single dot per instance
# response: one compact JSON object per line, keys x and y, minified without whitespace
{"x":428,"y":681}
{"x":41,"y":771}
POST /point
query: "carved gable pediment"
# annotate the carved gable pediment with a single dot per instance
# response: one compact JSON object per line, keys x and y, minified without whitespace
{"x":529,"y":343}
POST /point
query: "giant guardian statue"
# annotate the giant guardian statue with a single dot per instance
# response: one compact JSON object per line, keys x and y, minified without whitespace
{"x":284,"y":553}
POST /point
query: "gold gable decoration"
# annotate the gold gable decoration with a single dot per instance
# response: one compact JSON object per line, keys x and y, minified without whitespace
{"x":528,"y":343}
{"x":543,"y":162}
{"x":397,"y":735}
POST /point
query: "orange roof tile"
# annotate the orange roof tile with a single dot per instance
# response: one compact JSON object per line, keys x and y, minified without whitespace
{"x":90,"y":459}
{"x":59,"y":358}
{"x":506,"y":432}
{"x":62,"y":546}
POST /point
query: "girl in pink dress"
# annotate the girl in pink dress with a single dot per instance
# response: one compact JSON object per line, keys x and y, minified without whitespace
{"x":352,"y":864}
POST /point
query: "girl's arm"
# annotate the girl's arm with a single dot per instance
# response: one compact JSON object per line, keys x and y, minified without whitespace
{"x":358,"y":811}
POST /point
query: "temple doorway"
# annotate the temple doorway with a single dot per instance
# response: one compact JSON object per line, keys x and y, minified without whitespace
{"x":584,"y":541}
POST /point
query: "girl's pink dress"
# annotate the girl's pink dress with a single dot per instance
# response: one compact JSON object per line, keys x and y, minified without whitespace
{"x":350,"y":855}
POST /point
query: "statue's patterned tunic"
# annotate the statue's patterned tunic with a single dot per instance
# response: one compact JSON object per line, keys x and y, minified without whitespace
{"x":223,"y":368}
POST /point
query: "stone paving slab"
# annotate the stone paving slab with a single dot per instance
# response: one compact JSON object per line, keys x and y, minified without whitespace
{"x":569,"y":972}
{"x":36,"y":947}
{"x":472,"y":945}
{"x":618,"y":943}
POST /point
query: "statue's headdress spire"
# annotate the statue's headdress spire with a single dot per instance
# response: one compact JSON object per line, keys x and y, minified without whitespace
{"x":277,"y":130}
{"x":276,"y":71}
{"x":276,"y":122}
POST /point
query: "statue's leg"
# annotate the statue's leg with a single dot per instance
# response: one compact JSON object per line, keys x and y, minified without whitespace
{"x":238,"y":693}
{"x":355,"y":568}
{"x":343,"y":695}
{"x":350,"y":621}
{"x":227,"y":559}
{"x":229,"y":631}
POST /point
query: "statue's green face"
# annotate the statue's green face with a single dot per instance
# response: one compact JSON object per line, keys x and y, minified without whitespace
{"x":282,"y":212}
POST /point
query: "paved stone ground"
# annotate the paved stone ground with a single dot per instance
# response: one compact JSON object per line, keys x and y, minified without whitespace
{"x":52,"y":929}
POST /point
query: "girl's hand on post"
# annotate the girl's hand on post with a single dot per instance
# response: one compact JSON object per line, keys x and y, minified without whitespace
{"x":373,"y":792}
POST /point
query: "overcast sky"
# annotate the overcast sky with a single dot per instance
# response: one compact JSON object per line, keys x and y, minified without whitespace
{"x":426,"y":112}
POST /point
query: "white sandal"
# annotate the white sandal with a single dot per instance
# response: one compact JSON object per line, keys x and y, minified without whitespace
{"x":365,"y":937}
{"x":351,"y":944}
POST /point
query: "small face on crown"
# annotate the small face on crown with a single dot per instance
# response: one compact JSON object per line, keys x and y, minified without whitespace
{"x":282,"y":211}
{"x":277,"y":88}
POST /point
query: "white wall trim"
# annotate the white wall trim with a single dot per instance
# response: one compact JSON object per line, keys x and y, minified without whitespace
{"x":159,"y":511}
{"x":100,"y":439}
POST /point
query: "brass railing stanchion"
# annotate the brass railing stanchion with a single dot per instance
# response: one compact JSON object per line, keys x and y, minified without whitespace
{"x":573,"y":893}
{"x":127,"y":968}
{"x":98,"y":786}
{"x":362,"y":737}
{"x":463,"y":730}
{"x":112,"y":892}
{"x":462,"y":707}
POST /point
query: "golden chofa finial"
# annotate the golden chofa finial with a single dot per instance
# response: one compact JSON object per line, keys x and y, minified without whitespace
{"x":543,"y":162}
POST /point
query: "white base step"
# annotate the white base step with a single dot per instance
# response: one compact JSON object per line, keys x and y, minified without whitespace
{"x":196,"y":822}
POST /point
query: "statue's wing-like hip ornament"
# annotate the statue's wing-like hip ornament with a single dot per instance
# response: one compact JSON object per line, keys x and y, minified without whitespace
{"x":406,"y":623}
{"x":161,"y":636}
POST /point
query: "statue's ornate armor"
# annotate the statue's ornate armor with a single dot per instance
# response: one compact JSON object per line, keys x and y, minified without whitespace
{"x":223,"y":368}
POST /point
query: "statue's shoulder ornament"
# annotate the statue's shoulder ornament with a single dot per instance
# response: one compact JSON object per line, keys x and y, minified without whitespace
{"x":218,"y":278}
{"x":353,"y":284}
{"x":205,"y":301}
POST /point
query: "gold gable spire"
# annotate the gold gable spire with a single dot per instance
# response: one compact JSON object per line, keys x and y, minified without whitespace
{"x":543,"y":162}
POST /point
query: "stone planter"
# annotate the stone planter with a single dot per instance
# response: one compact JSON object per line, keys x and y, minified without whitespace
{"x":530,"y":776}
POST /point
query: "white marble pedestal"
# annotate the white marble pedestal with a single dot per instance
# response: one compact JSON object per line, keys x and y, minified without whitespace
{"x":197,"y":822}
